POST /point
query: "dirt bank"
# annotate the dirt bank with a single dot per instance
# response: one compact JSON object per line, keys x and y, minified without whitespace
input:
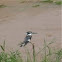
{"x":16,"y":19}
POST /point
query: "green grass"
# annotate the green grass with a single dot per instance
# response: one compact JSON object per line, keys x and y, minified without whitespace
{"x":59,"y":55}
{"x":15,"y":56}
{"x":59,"y":2}
{"x":46,"y":1}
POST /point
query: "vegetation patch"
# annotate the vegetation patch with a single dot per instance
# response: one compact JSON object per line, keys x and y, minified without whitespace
{"x":2,"y":6}
{"x":25,"y":1}
{"x":46,"y":1}
{"x":59,"y":2}
{"x":37,"y":5}
{"x":15,"y":56}
{"x":22,"y":1}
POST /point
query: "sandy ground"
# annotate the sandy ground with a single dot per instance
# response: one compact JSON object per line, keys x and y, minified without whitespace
{"x":18,"y":18}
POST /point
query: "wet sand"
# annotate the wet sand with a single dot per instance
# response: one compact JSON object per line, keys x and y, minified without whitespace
{"x":18,"y":18}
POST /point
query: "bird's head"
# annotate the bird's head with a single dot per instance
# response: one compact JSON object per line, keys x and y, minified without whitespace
{"x":30,"y":33}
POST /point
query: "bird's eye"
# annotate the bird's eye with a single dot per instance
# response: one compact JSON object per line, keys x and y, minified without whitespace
{"x":28,"y":33}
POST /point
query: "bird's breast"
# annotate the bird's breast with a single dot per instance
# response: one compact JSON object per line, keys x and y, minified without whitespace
{"x":29,"y":40}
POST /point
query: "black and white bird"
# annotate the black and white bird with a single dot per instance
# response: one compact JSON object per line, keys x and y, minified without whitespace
{"x":27,"y":38}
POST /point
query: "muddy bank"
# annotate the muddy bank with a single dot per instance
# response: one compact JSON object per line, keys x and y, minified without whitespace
{"x":16,"y":19}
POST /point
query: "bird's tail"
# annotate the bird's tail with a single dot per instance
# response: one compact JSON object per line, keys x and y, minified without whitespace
{"x":22,"y":44}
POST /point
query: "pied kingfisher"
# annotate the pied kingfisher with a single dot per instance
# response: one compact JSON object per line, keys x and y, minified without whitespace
{"x":27,"y":38}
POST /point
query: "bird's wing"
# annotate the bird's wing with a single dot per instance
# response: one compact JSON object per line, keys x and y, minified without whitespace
{"x":27,"y":37}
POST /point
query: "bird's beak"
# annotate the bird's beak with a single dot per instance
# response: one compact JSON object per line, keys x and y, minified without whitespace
{"x":34,"y":33}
